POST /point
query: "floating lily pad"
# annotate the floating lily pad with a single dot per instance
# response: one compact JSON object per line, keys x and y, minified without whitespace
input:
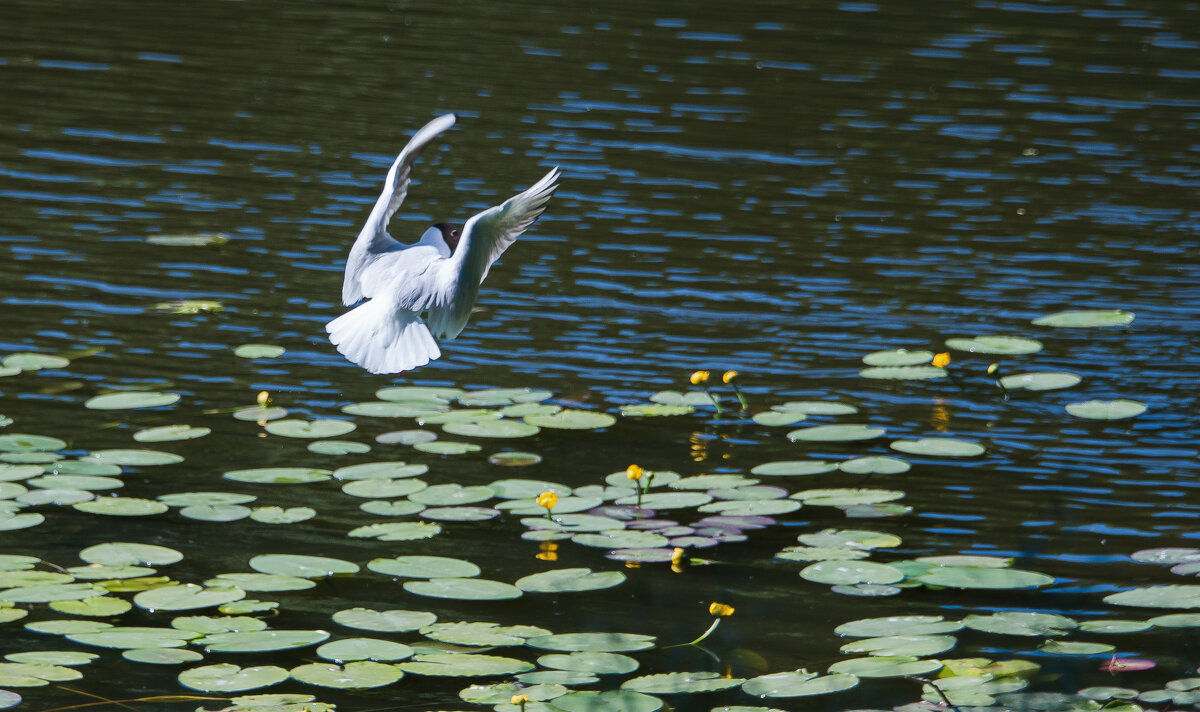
{"x":1075,"y":647}
{"x":227,"y":677}
{"x":258,"y":641}
{"x":1040,"y":381}
{"x":259,"y":351}
{"x":279,"y":475}
{"x":416,"y":393}
{"x":281,"y":515}
{"x":915,"y":645}
{"x":35,"y":674}
{"x":208,"y":625}
{"x":318,"y":428}
{"x":815,"y":408}
{"x":850,"y":538}
{"x":874,"y":465}
{"x":338,"y":447}
{"x":1000,"y":345}
{"x":600,"y":663}
{"x":1086,"y":318}
{"x":463,"y":589}
{"x":11,"y":521}
{"x":939,"y":447}
{"x":135,"y":458}
{"x":200,"y":239}
{"x":393,"y":621}
{"x":128,"y":554}
{"x":52,"y":657}
{"x":1164,"y":596}
{"x":886,"y":666}
{"x":464,"y":665}
{"x":493,"y":429}
{"x":451,"y":495}
{"x":501,"y":694}
{"x":556,"y":677}
{"x":424,"y":567}
{"x":24,"y":442}
{"x":1176,"y":620}
{"x":131,"y":400}
{"x":681,"y":682}
{"x":380,"y":470}
{"x":836,"y":433}
{"x":608,"y":701}
{"x":394,"y":409}
{"x":1112,"y":625}
{"x":593,"y":642}
{"x":820,"y":553}
{"x":130,"y":637}
{"x":355,"y":649}
{"x":514,"y":459}
{"x":1107,"y":409}
{"x":186,"y":597}
{"x":359,"y":675}
{"x":215,"y":512}
{"x":903,"y":373}
{"x":564,"y":580}
{"x":122,"y":507}
{"x":161,"y":656}
{"x":845,"y":496}
{"x":97,"y":606}
{"x":898,"y":357}
{"x":690,"y":398}
{"x":849,"y":572}
{"x":571,"y":419}
{"x":302,"y":566}
{"x":798,"y":683}
{"x":655,"y":410}
{"x":984,"y":577}
{"x":260,"y":414}
{"x":621,"y":539}
{"x":167,"y":433}
{"x":503,"y":396}
{"x":898,"y":625}
{"x":446,"y":447}
{"x":397,"y":531}
{"x":29,"y":361}
{"x":775,"y":418}
{"x":1022,"y":623}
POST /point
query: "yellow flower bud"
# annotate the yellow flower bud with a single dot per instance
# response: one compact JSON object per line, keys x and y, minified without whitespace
{"x":518,"y":699}
{"x":720,"y":610}
{"x":634,"y":472}
{"x":699,"y":377}
{"x":677,"y":556}
{"x":942,"y":360}
{"x":264,"y":399}
{"x":547,"y":499}
{"x":993,"y":368}
{"x":728,"y":376}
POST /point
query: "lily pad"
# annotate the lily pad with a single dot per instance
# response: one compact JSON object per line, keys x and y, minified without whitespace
{"x":903,"y":373}
{"x":122,"y":507}
{"x":424,"y":567}
{"x":302,"y":566}
{"x":29,"y":361}
{"x":775,"y":418}
{"x":898,"y":357}
{"x":599,"y":663}
{"x":260,"y":414}
{"x":1086,"y":318}
{"x":1075,"y":647}
{"x":654,"y":410}
{"x":464,"y":665}
{"x":396,"y":531}
{"x":130,"y":637}
{"x":836,"y":433}
{"x":999,"y":345}
{"x":984,"y":578}
{"x":259,"y":351}
{"x":463,"y":589}
{"x":608,"y":701}
{"x":446,"y":447}
{"x":886,"y":666}
{"x":915,"y":645}
{"x":939,"y":447}
{"x":564,"y":580}
{"x":1161,"y":596}
{"x":258,"y":641}
{"x":1022,"y":623}
{"x":129,"y":554}
{"x":393,"y":621}
{"x":380,"y":470}
{"x":318,"y":428}
{"x":898,"y":625}
{"x":1040,"y":381}
{"x":874,"y":465}
{"x":850,"y":538}
{"x":281,"y":515}
{"x":849,"y":572}
{"x":514,"y":459}
{"x":338,"y":447}
{"x":571,"y":419}
{"x":681,"y":682}
{"x":593,"y":642}
{"x":279,"y":475}
{"x":187,"y":597}
{"x":493,"y":429}
{"x":24,"y":442}
{"x":131,"y":400}
{"x":226,"y":677}
{"x":815,"y":408}
{"x":798,"y":683}
{"x":135,"y":458}
{"x":1107,"y":409}
{"x":161,"y":656}
{"x":355,"y":649}
{"x":167,"y":433}
{"x":359,"y":675}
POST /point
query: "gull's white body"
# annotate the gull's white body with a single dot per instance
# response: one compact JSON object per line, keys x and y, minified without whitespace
{"x":431,"y":277}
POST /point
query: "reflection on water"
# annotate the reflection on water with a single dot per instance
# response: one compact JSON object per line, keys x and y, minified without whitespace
{"x":774,"y":188}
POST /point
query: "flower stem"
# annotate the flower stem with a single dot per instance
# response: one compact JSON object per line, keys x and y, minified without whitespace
{"x":706,"y":633}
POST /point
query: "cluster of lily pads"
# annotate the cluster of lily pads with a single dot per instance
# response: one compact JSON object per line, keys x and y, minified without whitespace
{"x":636,"y":516}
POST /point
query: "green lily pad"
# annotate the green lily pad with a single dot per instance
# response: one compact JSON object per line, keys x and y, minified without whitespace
{"x":168,"y":433}
{"x":898,"y":357}
{"x":681,"y":682}
{"x":90,"y":483}
{"x":302,"y":566}
{"x":994,"y":562}
{"x":668,"y":500}
{"x":655,"y":410}
{"x":280,"y":515}
{"x":279,"y":475}
{"x":259,"y":351}
{"x":574,"y":523}
{"x":260,"y":414}
{"x":396,"y":531}
{"x":608,"y":701}
{"x":258,"y":641}
{"x":1084,"y":318}
{"x":939,"y":447}
{"x":130,"y":637}
{"x":1040,"y":381}
{"x":775,"y":418}
{"x":1160,"y":596}
{"x":215,"y":512}
{"x":227,"y":677}
{"x":556,"y":677}
{"x":593,"y":642}
{"x":380,"y":470}
{"x":463,"y":589}
{"x":691,"y":398}
{"x":849,"y":572}
{"x":383,"y":488}
{"x":502,"y":396}
{"x":398,"y":508}
{"x":464,"y":665}
{"x":493,"y":429}
{"x":1022,"y":623}
{"x":798,"y":683}
{"x":599,"y":663}
{"x":845,"y":496}
{"x":1112,"y":625}
{"x":208,"y":625}
{"x":14,"y":473}
{"x":12,"y":521}
{"x":24,"y":442}
{"x":836,"y":433}
{"x":1075,"y":647}
{"x":186,"y":597}
{"x":851,"y":538}
{"x":52,"y":657}
{"x":571,"y":419}
{"x":318,"y":428}
{"x":897,"y":625}
{"x":500,"y":694}
{"x":161,"y":656}
{"x":97,"y":606}
{"x":128,"y":554}
{"x":35,"y":674}
{"x":355,"y":649}
{"x":564,"y":580}
{"x":338,"y":447}
{"x":393,"y":621}
{"x":621,"y":539}
{"x":915,"y":645}
{"x":135,"y":458}
{"x":359,"y":675}
{"x":131,"y":400}
{"x":874,"y":465}
{"x":122,"y":507}
{"x":477,"y":633}
{"x":452,"y":495}
{"x":903,"y":373}
{"x":1000,"y":345}
{"x":984,"y":577}
{"x":886,"y":666}
{"x":1107,"y":410}
{"x":29,"y":361}
{"x":201,"y":239}
{"x":394,"y":409}
{"x":446,"y":447}
{"x":415,"y":393}
{"x":820,"y":553}
{"x":514,"y":459}
{"x":1176,"y":620}
{"x":424,"y":567}
{"x":815,"y":408}
{"x":66,"y":627}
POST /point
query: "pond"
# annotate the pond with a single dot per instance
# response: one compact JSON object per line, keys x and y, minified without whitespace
{"x":819,"y":197}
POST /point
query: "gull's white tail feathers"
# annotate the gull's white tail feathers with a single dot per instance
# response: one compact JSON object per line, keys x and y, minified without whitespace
{"x":382,"y":339}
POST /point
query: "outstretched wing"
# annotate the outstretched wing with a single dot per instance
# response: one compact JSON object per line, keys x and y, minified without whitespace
{"x":373,"y":239}
{"x":484,"y":238}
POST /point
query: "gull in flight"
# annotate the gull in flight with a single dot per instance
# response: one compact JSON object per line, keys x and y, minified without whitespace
{"x":424,"y":291}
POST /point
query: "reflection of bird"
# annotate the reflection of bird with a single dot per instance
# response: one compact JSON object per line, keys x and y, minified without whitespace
{"x":438,"y":276}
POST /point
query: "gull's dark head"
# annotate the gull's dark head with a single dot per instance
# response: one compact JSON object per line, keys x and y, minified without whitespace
{"x":451,"y":234}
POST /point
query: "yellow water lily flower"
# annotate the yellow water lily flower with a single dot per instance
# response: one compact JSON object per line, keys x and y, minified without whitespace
{"x":634,"y":472}
{"x":519,"y":700}
{"x":699,"y":377}
{"x":264,"y":399}
{"x":941,"y":360}
{"x":720,"y":610}
{"x":728,"y":376}
{"x":993,"y":368}
{"x":547,"y":499}
{"x":677,"y":556}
